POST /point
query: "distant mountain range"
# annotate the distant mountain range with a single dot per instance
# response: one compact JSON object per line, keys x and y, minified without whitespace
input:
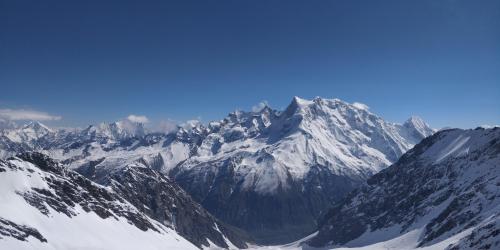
{"x":268,"y":172}
{"x":265,"y":176}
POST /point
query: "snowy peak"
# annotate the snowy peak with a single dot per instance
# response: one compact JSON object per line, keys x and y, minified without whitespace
{"x":418,"y":127}
{"x":299,"y":103}
{"x":128,"y":128}
{"x":35,"y":130}
{"x":239,"y":116}
{"x":116,"y":130}
{"x":351,"y":125}
{"x":37,"y":126}
{"x":310,"y":110}
{"x":28,"y":133}
{"x":299,"y":106}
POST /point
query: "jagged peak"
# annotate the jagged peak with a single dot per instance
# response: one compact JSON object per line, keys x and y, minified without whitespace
{"x":118,"y":129}
{"x":322,"y":101}
{"x":415,"y":120}
{"x":299,"y":104}
{"x":296,"y":104}
{"x":239,"y":116}
{"x":300,"y":101}
{"x":418,"y":125}
{"x":36,"y":125}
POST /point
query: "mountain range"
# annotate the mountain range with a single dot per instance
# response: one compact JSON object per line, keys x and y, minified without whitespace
{"x":266,"y":177}
{"x":268,"y":172}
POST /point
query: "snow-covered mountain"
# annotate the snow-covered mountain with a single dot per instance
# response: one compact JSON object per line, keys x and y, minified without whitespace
{"x":114,"y":131}
{"x":273,"y":173}
{"x":46,"y":206}
{"x":442,"y":194}
{"x":28,"y":133}
{"x":269,"y":172}
{"x":139,"y":209}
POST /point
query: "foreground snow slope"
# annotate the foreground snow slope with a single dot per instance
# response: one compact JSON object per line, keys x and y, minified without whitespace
{"x":402,"y":242}
{"x":442,"y":194}
{"x":44,"y":206}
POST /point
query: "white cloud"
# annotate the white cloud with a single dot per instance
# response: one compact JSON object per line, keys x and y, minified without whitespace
{"x":167,"y":126}
{"x":260,"y":106}
{"x":489,"y":126}
{"x":360,"y":105}
{"x":23,"y":114}
{"x":138,"y":118}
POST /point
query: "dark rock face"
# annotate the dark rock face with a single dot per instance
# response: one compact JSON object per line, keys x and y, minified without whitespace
{"x":275,"y":218}
{"x":456,"y":185}
{"x":481,"y":237}
{"x":163,"y":200}
{"x":19,"y":232}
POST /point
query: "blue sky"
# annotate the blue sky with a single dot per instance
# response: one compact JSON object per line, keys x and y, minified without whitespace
{"x":96,"y":61}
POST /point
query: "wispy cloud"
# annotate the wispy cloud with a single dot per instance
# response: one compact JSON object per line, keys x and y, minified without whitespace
{"x":167,"y":126}
{"x":138,"y":118}
{"x":489,"y":126}
{"x":24,"y":114}
{"x":260,"y":106}
{"x":360,"y":105}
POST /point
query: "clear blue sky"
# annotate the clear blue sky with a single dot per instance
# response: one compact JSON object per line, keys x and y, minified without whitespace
{"x":92,"y":61}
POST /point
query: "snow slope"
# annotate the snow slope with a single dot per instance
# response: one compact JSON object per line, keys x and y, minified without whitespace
{"x":350,"y":140}
{"x":407,"y":241}
{"x":47,"y":207}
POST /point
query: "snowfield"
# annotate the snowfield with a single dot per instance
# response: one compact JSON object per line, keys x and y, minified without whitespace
{"x":408,"y":241}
